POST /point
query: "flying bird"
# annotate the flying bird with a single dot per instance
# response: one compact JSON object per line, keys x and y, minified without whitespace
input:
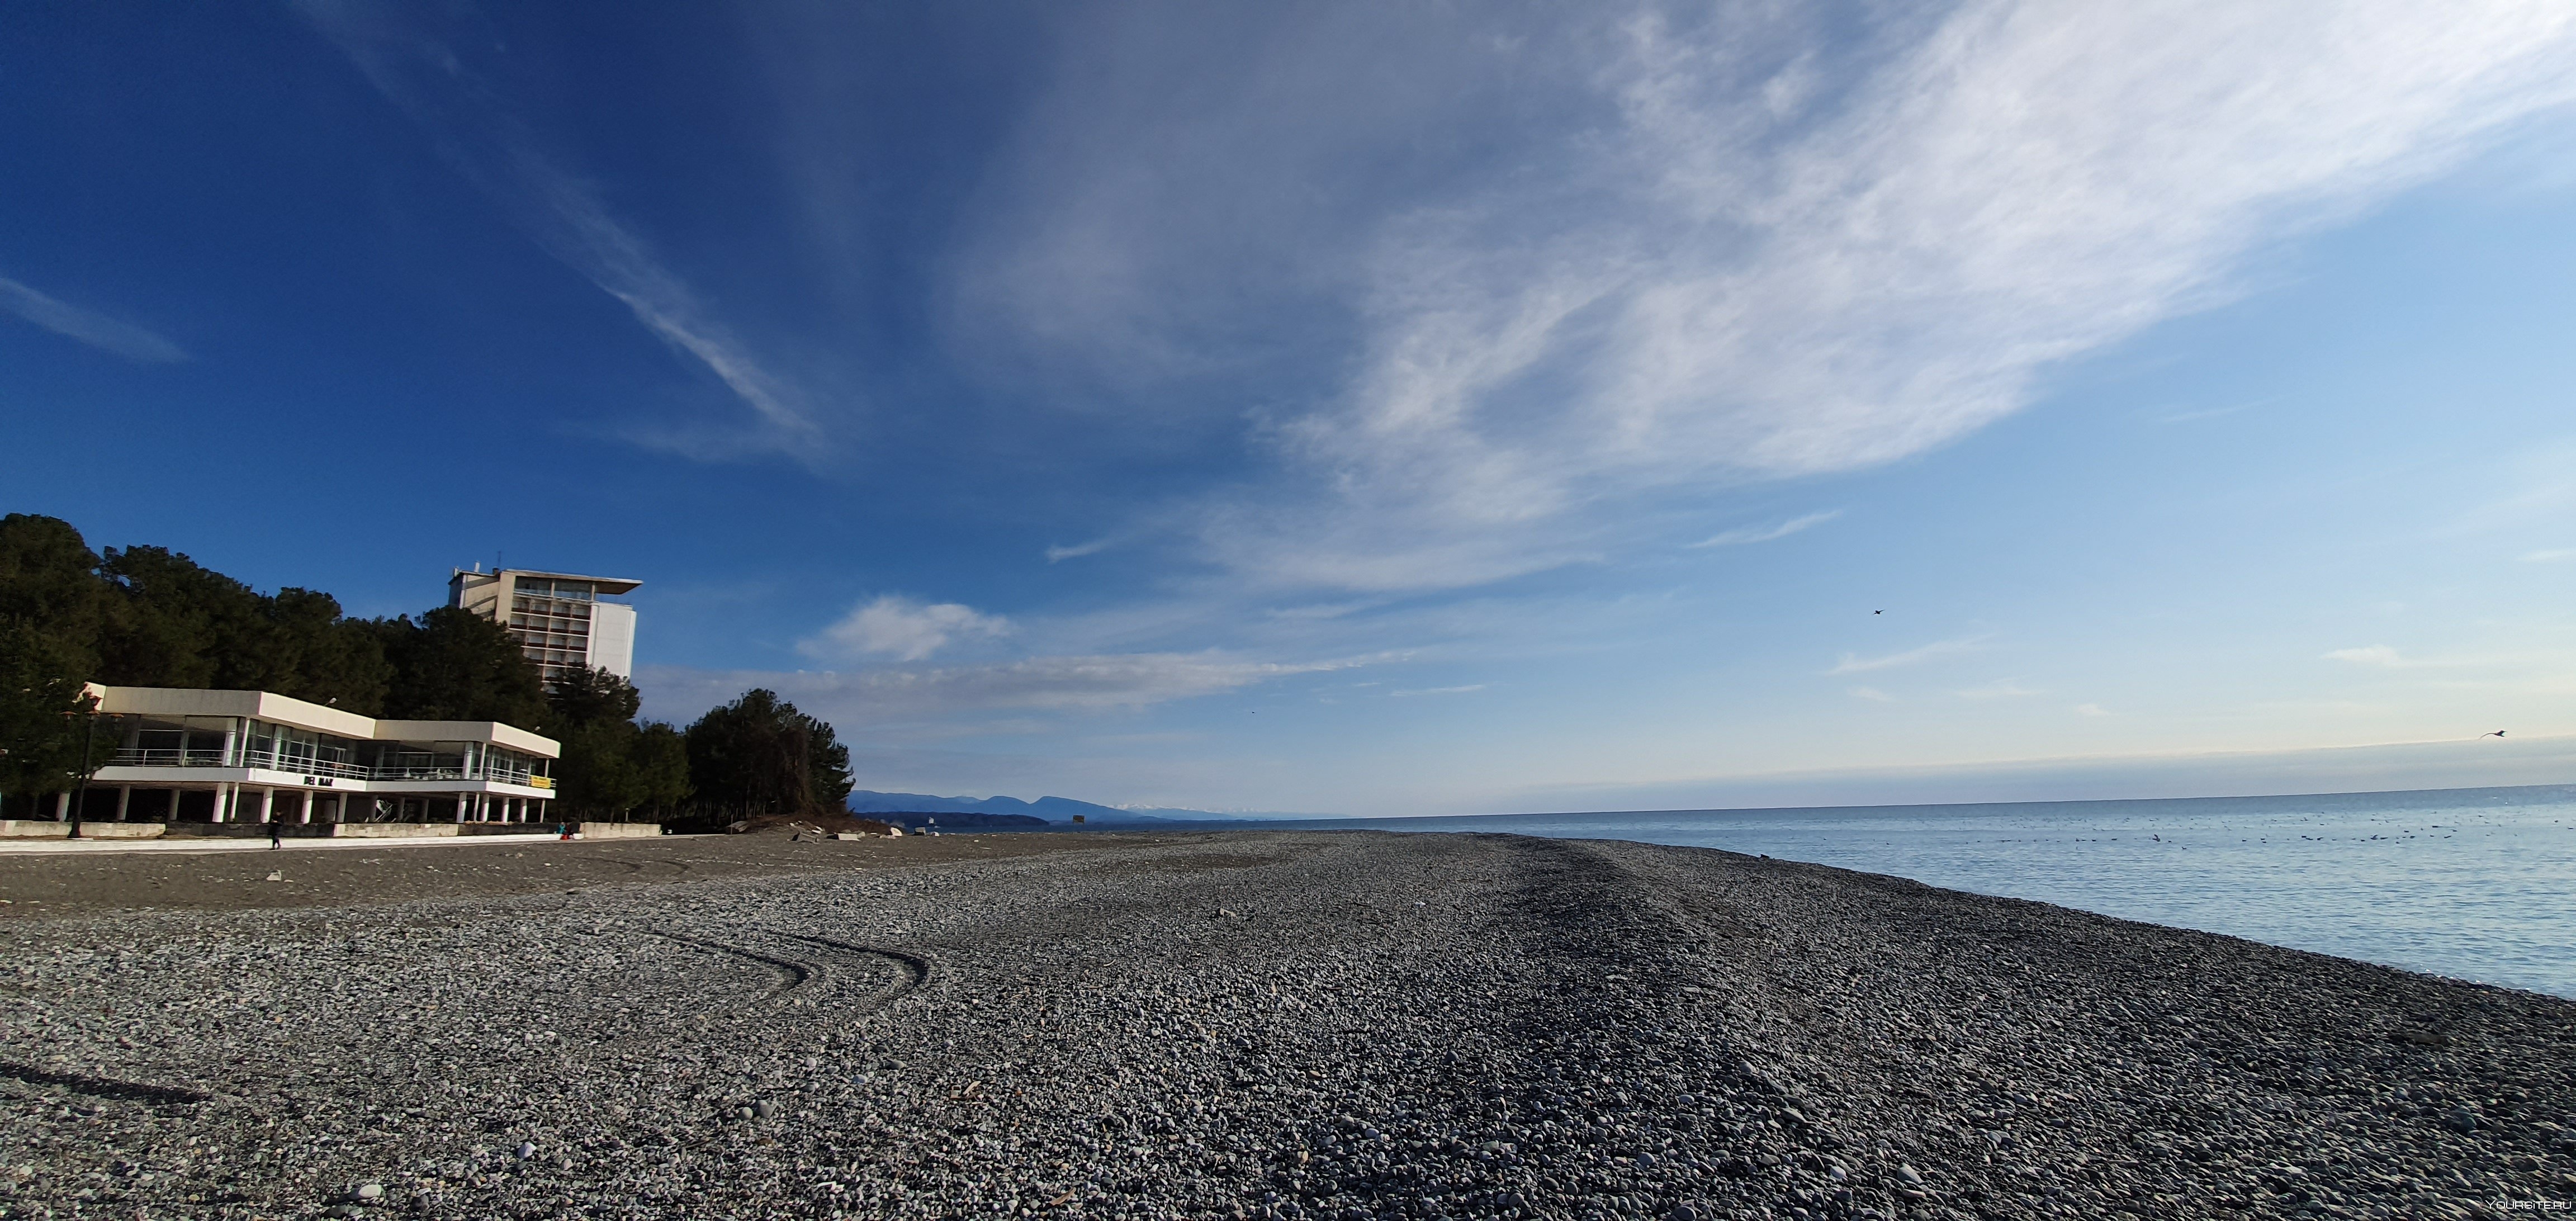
{"x":2497,"y":734}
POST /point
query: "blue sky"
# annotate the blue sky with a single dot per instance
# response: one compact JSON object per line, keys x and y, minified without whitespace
{"x":1369,"y":408}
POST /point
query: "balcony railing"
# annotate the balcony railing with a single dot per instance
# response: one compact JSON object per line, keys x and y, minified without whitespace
{"x":288,"y":761}
{"x":337,"y":769}
{"x":168,"y":757}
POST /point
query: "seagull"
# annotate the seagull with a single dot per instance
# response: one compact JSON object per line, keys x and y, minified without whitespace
{"x":2497,"y":734}
{"x":1878,"y":612}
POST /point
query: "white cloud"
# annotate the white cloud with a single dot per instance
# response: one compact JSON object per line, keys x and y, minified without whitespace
{"x":1745,"y":244}
{"x":95,"y":329}
{"x":1763,"y":534}
{"x":1078,"y":550}
{"x":2000,"y":689}
{"x":913,"y":695}
{"x":1853,"y":663}
{"x":2550,"y":555}
{"x":1873,"y":695}
{"x":2091,"y":710}
{"x":1438,"y":690}
{"x":903,"y":629}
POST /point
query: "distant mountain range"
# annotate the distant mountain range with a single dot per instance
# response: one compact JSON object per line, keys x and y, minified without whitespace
{"x":1011,"y":811}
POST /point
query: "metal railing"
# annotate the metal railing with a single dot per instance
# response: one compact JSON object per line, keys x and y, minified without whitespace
{"x":337,"y":769}
{"x":167,"y":757}
{"x":288,"y":761}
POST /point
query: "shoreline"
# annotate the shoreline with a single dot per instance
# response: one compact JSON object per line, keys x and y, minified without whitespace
{"x":1287,"y":1024}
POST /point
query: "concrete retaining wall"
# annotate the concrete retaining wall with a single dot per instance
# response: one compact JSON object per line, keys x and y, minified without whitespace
{"x":390,"y":830}
{"x":121,"y":830}
{"x":617,"y":830}
{"x":33,"y":828}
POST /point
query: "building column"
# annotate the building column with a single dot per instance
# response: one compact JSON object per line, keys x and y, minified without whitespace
{"x":63,"y":806}
{"x":267,"y":799}
{"x":224,"y":795}
{"x":124,"y":798}
{"x":304,"y":809}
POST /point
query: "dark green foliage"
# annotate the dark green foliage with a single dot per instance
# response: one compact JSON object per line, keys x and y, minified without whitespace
{"x":44,"y":720}
{"x":597,"y":773}
{"x":316,"y":654}
{"x":662,"y":764}
{"x":182,"y":626}
{"x":54,"y":609}
{"x":611,"y":765}
{"x":759,"y":755}
{"x":591,"y":697}
{"x":455,"y":665}
{"x":49,"y":583}
{"x":151,"y":617}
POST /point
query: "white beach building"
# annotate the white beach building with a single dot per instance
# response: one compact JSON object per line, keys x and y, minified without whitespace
{"x":252,"y":756}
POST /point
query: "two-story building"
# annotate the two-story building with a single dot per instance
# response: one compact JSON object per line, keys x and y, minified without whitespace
{"x":252,"y":756}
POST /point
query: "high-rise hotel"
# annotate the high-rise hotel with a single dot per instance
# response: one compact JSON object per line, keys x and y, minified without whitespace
{"x":562,"y":621}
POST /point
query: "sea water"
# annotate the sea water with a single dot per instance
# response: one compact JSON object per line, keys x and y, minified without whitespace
{"x":2475,"y":884}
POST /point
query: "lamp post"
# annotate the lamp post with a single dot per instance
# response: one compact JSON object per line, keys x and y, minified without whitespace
{"x":80,"y":792}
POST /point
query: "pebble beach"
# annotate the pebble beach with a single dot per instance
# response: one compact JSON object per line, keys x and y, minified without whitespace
{"x":1233,"y":1024}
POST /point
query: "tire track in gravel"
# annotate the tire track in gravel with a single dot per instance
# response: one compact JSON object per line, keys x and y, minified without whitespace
{"x":912,"y":970}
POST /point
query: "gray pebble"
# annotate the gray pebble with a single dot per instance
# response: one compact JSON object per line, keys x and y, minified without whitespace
{"x":1072,"y":1023}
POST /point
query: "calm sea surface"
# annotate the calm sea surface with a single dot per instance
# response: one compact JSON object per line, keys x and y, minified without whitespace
{"x":2476,"y":884}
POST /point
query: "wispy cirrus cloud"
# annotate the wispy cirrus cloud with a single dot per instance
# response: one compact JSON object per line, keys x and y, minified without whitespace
{"x":423,"y":69}
{"x":913,"y":695}
{"x":99,"y":331}
{"x":1853,"y":663}
{"x":1743,"y":535}
{"x":1405,"y":694}
{"x":2000,"y":689}
{"x":1742,"y":244}
{"x":1059,"y":554}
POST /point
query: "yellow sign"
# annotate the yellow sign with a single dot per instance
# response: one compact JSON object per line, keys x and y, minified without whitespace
{"x":541,"y":782}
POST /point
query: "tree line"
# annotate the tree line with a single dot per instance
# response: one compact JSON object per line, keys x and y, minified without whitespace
{"x":151,"y":617}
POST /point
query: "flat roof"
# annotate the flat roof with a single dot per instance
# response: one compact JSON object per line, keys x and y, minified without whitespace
{"x":281,"y":710}
{"x":607,"y":585}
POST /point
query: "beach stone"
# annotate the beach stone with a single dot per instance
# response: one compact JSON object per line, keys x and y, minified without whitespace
{"x":1459,"y":1062}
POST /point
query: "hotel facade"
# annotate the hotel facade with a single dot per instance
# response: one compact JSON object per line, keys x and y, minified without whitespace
{"x":257,"y":757}
{"x":562,"y":620}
